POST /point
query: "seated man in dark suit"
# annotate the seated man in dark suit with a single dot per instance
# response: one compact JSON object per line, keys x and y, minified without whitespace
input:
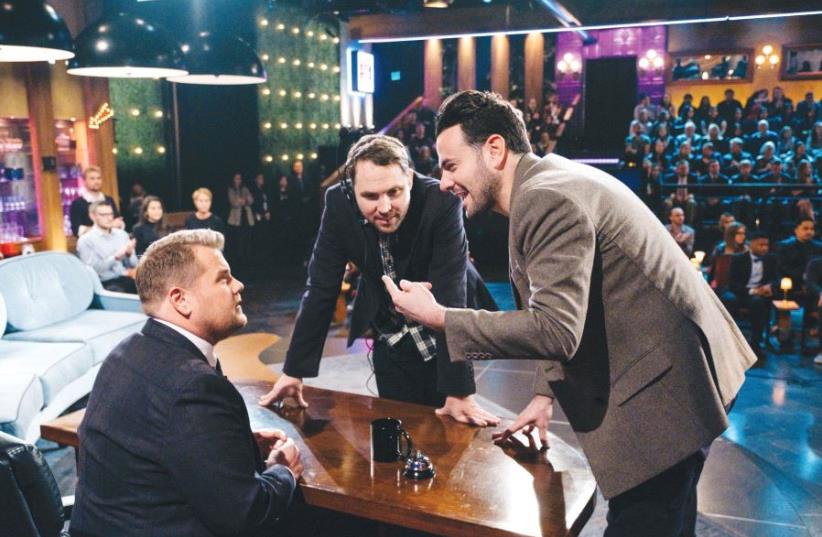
{"x":753,"y":277}
{"x":165,"y":445}
{"x":795,"y":252}
{"x":813,"y":287}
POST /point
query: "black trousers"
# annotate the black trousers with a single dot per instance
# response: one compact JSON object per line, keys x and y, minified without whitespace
{"x":663,"y":506}
{"x":402,"y":374}
{"x":759,"y":308}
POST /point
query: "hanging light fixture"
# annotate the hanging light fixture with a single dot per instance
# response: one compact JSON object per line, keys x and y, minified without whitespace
{"x":32,"y":31}
{"x":220,"y":61}
{"x":126,"y":46}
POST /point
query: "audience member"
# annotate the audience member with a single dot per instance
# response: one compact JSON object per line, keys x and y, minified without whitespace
{"x":240,"y":221}
{"x":108,"y":250}
{"x":90,"y":193}
{"x":152,"y":224}
{"x":728,"y":107}
{"x":681,"y":197}
{"x":795,"y":252}
{"x":202,"y":217}
{"x":753,"y":278}
{"x":683,"y":234}
{"x":135,"y":201}
{"x":813,"y":285}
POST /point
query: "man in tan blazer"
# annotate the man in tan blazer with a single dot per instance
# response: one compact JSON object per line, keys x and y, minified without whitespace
{"x":638,"y":350}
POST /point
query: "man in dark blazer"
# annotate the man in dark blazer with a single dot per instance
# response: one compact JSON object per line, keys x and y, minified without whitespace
{"x":795,"y":252}
{"x":166,"y":449}
{"x":635,"y":345}
{"x":813,"y":287}
{"x":386,"y":220}
{"x":753,"y":278}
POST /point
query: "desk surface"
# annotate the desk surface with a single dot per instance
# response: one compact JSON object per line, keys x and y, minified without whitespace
{"x":479,"y":489}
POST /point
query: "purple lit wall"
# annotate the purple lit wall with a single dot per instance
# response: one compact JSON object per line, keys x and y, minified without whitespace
{"x":618,"y":42}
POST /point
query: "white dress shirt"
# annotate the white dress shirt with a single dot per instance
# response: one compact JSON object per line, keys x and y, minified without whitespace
{"x":757,"y":271}
{"x":205,"y":347}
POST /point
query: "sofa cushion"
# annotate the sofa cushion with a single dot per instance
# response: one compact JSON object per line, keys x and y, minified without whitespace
{"x":2,"y":315}
{"x":56,"y":365}
{"x":21,"y":398}
{"x":43,"y":289}
{"x":100,"y":329}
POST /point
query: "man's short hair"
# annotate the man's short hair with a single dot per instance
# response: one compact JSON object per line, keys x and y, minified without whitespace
{"x":675,"y":208}
{"x":802,"y":220}
{"x":92,"y":169}
{"x":379,"y":149}
{"x":202,"y":192}
{"x":481,"y":114}
{"x":92,"y":209}
{"x":736,"y":140}
{"x":172,"y":261}
{"x":758,"y":235}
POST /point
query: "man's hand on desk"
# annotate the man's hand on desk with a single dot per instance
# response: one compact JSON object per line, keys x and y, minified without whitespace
{"x":287,"y":453}
{"x":267,"y":438}
{"x":466,"y":410}
{"x":285,"y":387}
{"x":537,"y":414}
{"x":415,"y":301}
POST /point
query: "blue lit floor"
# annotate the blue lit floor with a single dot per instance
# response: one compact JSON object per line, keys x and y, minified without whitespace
{"x":763,"y":477}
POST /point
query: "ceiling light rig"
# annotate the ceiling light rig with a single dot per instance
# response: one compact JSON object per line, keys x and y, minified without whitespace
{"x":126,"y":46}
{"x":32,"y":31}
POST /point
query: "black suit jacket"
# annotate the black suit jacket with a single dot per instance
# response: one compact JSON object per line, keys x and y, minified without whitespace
{"x":430,"y":246}
{"x":78,"y":213}
{"x":794,"y":257}
{"x":166,"y":449}
{"x":740,"y":273}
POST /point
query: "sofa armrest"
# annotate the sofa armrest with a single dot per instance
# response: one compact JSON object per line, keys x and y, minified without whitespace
{"x":110,"y":300}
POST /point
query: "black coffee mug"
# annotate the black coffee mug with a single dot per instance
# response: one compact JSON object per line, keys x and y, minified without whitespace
{"x":386,"y":435}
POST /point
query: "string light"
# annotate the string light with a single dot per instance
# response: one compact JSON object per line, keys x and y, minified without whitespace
{"x":161,"y":150}
{"x":336,"y":40}
{"x":336,"y":97}
{"x":280,"y":26}
{"x":323,"y":67}
{"x":299,"y":156}
{"x":298,"y":94}
{"x":137,"y":150}
{"x":114,"y":150}
{"x":158,"y":114}
{"x":266,"y":91}
{"x":313,"y":156}
{"x":298,"y":125}
{"x":310,"y":33}
{"x":295,"y":30}
{"x":280,"y":60}
{"x":283,"y":93}
{"x":263,"y":22}
{"x":312,"y":95}
{"x":267,"y":125}
{"x":296,"y":62}
{"x":325,"y":125}
{"x":285,"y":156}
{"x":268,"y":158}
{"x":336,"y":125}
{"x":336,"y":68}
{"x":323,"y":37}
{"x":312,"y":126}
{"x":283,"y":125}
{"x":311,"y":65}
{"x":324,"y":97}
{"x":264,"y":57}
{"x":134,"y":112}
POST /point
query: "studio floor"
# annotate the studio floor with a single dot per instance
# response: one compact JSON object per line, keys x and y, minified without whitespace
{"x":763,"y":477}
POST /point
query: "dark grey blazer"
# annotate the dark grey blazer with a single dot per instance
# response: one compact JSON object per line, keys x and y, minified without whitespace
{"x":640,"y":352}
{"x":166,"y":449}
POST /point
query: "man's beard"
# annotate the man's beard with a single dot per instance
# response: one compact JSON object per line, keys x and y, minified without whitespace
{"x":486,"y":194}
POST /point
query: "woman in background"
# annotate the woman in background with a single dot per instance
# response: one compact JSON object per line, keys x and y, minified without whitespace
{"x":202,"y":217}
{"x":152,"y":224}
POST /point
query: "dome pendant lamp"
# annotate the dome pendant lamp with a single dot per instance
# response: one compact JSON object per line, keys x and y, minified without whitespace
{"x":126,"y":46}
{"x":32,"y":31}
{"x":220,"y":61}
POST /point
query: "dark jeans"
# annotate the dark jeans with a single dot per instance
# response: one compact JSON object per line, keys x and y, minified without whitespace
{"x":402,"y":374}
{"x":663,"y":506}
{"x":123,"y":284}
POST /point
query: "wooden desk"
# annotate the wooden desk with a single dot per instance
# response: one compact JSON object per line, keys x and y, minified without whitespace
{"x":480,"y":489}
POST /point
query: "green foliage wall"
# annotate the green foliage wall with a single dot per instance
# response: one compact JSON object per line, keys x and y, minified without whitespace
{"x":139,"y":132}
{"x":299,"y":105}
